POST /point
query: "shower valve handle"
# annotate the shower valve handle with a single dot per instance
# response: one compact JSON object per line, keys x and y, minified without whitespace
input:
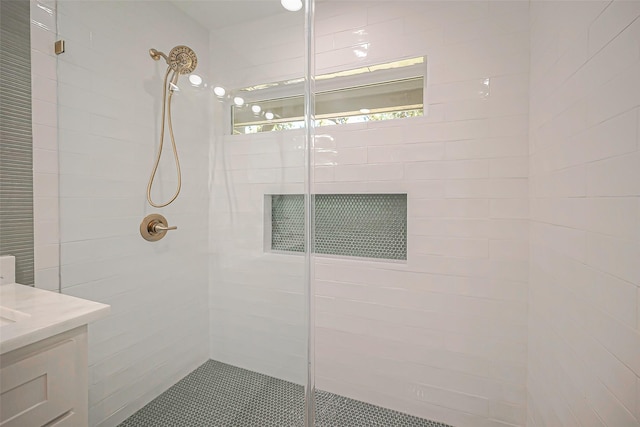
{"x":154,"y":227}
{"x":159,"y":227}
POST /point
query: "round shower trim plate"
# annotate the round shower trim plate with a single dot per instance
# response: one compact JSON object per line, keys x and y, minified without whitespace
{"x":154,"y":227}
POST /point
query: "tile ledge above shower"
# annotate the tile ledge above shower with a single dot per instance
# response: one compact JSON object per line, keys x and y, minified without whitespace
{"x":29,"y":315}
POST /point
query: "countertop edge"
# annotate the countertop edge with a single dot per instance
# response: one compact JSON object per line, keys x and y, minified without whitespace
{"x":54,"y":329}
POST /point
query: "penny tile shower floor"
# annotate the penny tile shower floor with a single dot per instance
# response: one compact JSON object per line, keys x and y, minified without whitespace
{"x":221,"y":395}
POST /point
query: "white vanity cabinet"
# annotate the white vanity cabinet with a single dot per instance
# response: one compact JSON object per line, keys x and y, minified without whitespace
{"x":45,"y":383}
{"x":43,"y":357}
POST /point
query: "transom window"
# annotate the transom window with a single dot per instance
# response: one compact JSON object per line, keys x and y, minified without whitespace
{"x":382,"y":92}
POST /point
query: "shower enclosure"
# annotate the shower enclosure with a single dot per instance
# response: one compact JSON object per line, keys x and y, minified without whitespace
{"x":405,"y":270}
{"x":378,"y":222}
{"x":339,"y":222}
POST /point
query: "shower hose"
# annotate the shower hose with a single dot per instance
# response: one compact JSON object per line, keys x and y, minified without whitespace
{"x":166,"y":108}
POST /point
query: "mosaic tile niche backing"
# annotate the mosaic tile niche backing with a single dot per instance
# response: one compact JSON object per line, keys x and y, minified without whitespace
{"x":357,"y":225}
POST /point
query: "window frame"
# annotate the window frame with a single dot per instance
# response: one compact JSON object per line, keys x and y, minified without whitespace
{"x":389,"y":72}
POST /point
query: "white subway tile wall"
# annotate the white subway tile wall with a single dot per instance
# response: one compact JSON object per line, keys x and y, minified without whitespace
{"x":584,"y":299}
{"x":109,"y":101}
{"x":442,"y":335}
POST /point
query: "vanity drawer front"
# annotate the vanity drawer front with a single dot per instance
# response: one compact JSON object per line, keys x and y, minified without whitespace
{"x":40,"y":387}
{"x":67,"y":420}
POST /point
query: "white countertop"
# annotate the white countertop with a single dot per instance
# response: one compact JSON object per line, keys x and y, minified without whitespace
{"x":28,"y":315}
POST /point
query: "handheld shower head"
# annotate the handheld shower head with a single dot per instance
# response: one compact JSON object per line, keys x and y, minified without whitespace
{"x":182,"y":60}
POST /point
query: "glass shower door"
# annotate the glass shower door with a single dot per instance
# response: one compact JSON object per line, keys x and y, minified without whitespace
{"x":259,"y":288}
{"x":210,"y":320}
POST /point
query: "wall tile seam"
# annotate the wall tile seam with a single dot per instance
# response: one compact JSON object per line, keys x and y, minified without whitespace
{"x":480,"y":415}
{"x":571,"y":411}
{"x":590,"y":302}
{"x":116,"y":384}
{"x":113,"y":26}
{"x":121,"y":314}
{"x":130,"y":349}
{"x":586,"y":99}
{"x":449,"y":161}
{"x":539,"y":220}
{"x":71,"y":104}
{"x":562,"y":83}
{"x":489,"y":400}
{"x":533,"y":263}
{"x":543,"y":72}
{"x":460,"y":391}
{"x":95,"y":406}
{"x":36,"y":117}
{"x":122,"y":347}
{"x":430,"y":386}
{"x":517,"y":321}
{"x":611,"y":393}
{"x":541,"y":127}
{"x":487,"y":21}
{"x":588,"y":38}
{"x":577,"y":356}
{"x":134,"y":139}
{"x":550,"y":198}
{"x":602,"y":11}
{"x":496,"y":299}
{"x":516,"y":363}
{"x":595,"y":339}
{"x":149,"y":357}
{"x":594,"y":125}
{"x":493,"y":75}
{"x":635,"y":241}
{"x":430,"y":328}
{"x":35,"y":25}
{"x":602,"y":313}
{"x":107,"y":382}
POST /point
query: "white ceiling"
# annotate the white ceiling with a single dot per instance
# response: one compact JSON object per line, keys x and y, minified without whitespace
{"x":216,"y":14}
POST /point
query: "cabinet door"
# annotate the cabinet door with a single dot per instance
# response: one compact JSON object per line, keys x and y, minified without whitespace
{"x":38,"y":388}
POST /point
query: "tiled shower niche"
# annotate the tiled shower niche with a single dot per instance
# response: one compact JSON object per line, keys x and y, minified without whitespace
{"x":353,"y":225}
